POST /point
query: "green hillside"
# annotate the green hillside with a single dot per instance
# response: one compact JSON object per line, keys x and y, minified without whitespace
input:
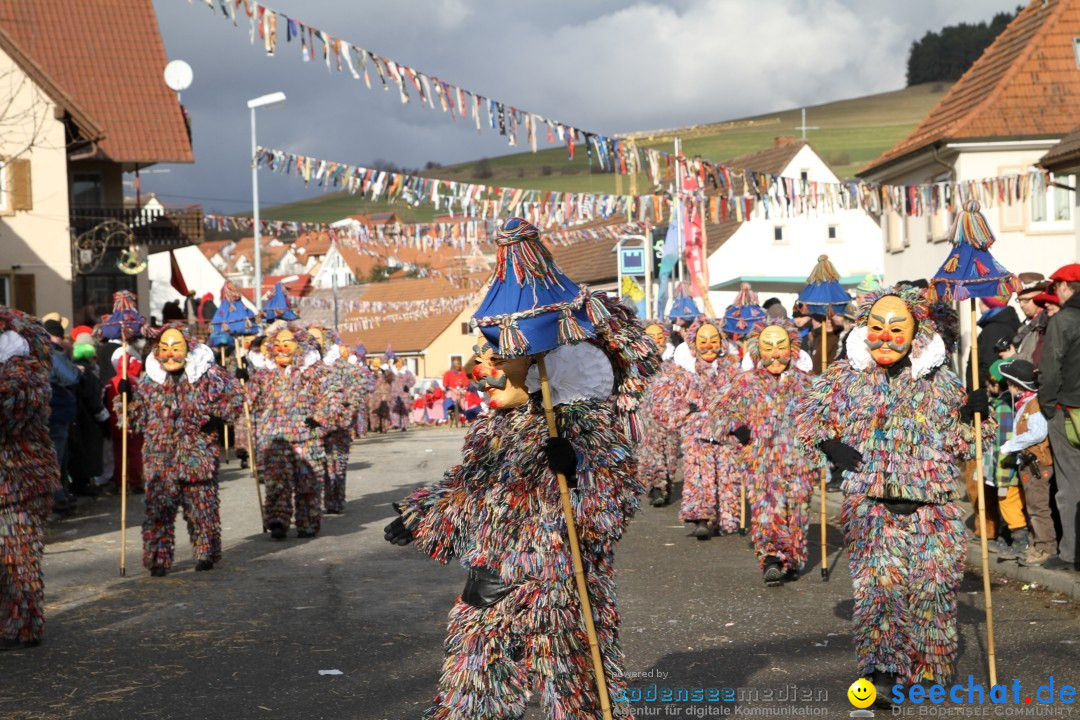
{"x":850,"y":133}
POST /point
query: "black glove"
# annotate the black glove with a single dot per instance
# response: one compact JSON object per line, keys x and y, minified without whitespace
{"x":242,"y":374}
{"x":843,"y":456}
{"x":562,"y":458}
{"x":312,"y":423}
{"x":213,"y":425}
{"x":125,"y":389}
{"x":1010,"y":461}
{"x":396,"y":533}
{"x":977,"y":402}
{"x":693,"y":408}
{"x":742,"y":434}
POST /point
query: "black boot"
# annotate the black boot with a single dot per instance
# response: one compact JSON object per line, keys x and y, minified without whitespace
{"x":305,"y":534}
{"x":656,"y":496}
{"x":204,"y":565}
{"x":773,"y":572}
{"x":703,"y":531}
{"x":243,"y":463}
{"x":158,"y":571}
{"x":792,"y":575}
{"x":883,"y":683}
{"x":277,"y":529}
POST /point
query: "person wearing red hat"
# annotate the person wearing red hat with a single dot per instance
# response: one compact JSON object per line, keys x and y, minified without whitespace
{"x":1059,"y":399}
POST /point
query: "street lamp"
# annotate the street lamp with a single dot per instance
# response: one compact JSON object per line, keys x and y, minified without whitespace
{"x":266,"y":101}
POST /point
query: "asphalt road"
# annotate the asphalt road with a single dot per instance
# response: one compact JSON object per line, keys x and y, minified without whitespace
{"x":252,"y":638}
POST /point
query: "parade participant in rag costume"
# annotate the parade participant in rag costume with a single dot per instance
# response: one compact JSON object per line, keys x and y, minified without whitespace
{"x":661,"y":410}
{"x":253,"y":360}
{"x":358,"y":358}
{"x":178,"y":405}
{"x":781,"y":471}
{"x":337,"y":438}
{"x":710,"y":470}
{"x":29,"y":475}
{"x":400,"y":393}
{"x":897,"y":420}
{"x":517,"y":629}
{"x":293,"y":401}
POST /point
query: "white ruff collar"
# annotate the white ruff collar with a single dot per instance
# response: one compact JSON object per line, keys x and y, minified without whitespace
{"x":257,"y":360}
{"x":199,"y":359}
{"x":923,"y":361}
{"x":12,"y":344}
{"x":575,"y":372}
{"x":332,"y":355}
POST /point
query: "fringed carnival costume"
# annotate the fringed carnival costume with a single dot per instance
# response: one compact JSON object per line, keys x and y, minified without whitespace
{"x":661,"y":410}
{"x":29,"y":473}
{"x":780,"y":470}
{"x":710,"y":495}
{"x":517,"y":628}
{"x":179,"y":404}
{"x":338,"y":437}
{"x":895,"y":418}
{"x":294,"y":399}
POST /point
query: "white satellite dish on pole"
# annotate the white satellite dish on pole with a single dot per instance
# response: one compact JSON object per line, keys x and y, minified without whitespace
{"x":178,"y":76}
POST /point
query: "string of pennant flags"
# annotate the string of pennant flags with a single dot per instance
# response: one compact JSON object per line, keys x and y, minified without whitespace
{"x":725,"y":193}
{"x":431,"y":306}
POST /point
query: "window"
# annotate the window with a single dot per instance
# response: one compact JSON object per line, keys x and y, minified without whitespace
{"x":86,"y":190}
{"x":1051,"y":209}
{"x":778,"y":233}
{"x":833,"y":233}
{"x":5,"y":290}
{"x":465,"y":330}
{"x":1076,"y":50}
{"x":459,"y":358}
{"x":804,"y":175}
{"x":15,"y":189}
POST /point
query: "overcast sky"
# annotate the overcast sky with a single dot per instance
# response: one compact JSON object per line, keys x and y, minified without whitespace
{"x":600,"y":65}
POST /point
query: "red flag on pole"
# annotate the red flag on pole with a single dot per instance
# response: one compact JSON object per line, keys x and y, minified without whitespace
{"x":176,"y":278}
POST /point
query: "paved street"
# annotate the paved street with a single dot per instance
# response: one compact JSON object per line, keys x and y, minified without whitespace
{"x":249,"y":639}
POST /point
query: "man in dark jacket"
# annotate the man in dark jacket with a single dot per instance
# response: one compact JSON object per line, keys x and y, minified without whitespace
{"x":999,"y":320}
{"x":1059,"y":391}
{"x":63,"y":379}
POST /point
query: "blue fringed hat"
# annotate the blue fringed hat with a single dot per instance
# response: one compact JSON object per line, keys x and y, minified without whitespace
{"x":125,"y":322}
{"x":741,"y":316}
{"x":682,"y":305}
{"x":278,"y":307}
{"x":823,"y":294}
{"x":232,"y":317}
{"x":971,"y":271}
{"x":531,"y":307}
{"x":219,"y":338}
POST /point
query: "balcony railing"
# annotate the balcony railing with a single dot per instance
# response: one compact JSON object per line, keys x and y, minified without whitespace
{"x":158,"y":229}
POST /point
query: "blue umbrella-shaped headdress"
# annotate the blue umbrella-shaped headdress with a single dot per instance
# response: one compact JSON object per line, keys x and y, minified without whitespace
{"x":971,"y":271}
{"x":682,"y":305}
{"x":278,"y":308}
{"x":125,"y":322}
{"x":531,"y":307}
{"x":232,"y":317}
{"x":823,"y":294}
{"x":741,"y":316}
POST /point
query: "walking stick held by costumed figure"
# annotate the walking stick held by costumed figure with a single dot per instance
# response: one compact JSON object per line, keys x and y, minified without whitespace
{"x":575,"y":551}
{"x":123,"y":324}
{"x":971,"y":272}
{"x":824,"y":295}
{"x":739,"y":319}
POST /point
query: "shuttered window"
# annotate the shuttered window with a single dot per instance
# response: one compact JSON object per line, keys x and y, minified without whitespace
{"x":22,"y":196}
{"x":25,"y":293}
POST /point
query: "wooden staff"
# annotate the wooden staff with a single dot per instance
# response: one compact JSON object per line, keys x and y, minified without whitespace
{"x":982,"y":505}
{"x":123,"y":457}
{"x":825,"y":468}
{"x":225,"y":426}
{"x":575,"y":551}
{"x":250,"y":434}
{"x":742,"y":485}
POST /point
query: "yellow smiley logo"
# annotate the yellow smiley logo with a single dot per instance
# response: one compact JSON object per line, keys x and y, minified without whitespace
{"x":861,"y":693}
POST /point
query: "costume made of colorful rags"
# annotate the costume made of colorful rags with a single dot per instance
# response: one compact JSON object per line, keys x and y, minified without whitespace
{"x":293,"y":399}
{"x":711,"y":476}
{"x":895,"y":418}
{"x":29,"y":474}
{"x":780,"y":470}
{"x":661,"y":409}
{"x":178,"y":405}
{"x":401,"y":394}
{"x":366,"y":378}
{"x":517,"y":628}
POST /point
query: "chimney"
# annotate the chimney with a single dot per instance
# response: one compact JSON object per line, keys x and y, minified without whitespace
{"x":782,"y":140}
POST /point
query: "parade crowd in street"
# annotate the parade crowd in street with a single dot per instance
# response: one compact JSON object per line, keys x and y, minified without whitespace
{"x":576,"y":409}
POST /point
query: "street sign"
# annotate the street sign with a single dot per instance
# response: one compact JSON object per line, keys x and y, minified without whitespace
{"x":632,"y":261}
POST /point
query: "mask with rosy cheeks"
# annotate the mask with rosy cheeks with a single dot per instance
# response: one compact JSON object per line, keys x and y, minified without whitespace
{"x":657,"y":334}
{"x":172,"y":350}
{"x":890,"y":329}
{"x":774,"y":346}
{"x":284,"y":348}
{"x":707,"y":342}
{"x":503,"y":379}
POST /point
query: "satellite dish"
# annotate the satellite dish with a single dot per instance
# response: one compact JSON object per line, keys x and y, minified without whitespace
{"x":178,"y":75}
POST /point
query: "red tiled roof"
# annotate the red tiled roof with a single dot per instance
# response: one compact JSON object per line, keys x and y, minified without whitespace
{"x":1065,"y":156}
{"x":594,"y":261}
{"x":772,"y":160}
{"x":1025,"y":84}
{"x":107,"y":55}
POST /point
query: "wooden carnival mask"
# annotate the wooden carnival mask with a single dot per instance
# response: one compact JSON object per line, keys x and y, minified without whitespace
{"x":503,"y":379}
{"x":890,"y":330}
{"x":172,"y":350}
{"x":320,"y":337}
{"x":774,"y":347}
{"x":708,"y":342}
{"x":285,"y":348}
{"x":657,"y":334}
